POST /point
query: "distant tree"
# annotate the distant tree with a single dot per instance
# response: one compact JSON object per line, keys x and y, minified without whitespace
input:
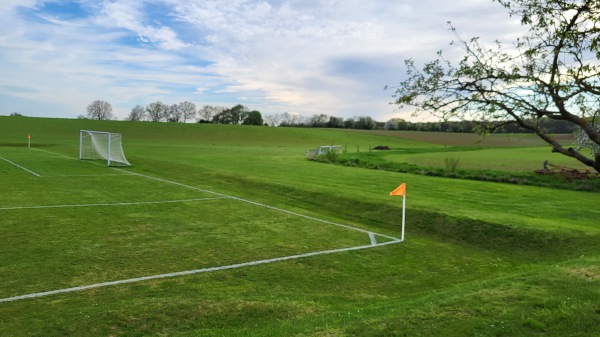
{"x":253,"y":118}
{"x":365,"y":123}
{"x":100,"y":110}
{"x":273,"y":120}
{"x":207,"y":113}
{"x":349,"y":123}
{"x":234,"y":115}
{"x":394,"y":124}
{"x":157,"y":111}
{"x":335,"y":122}
{"x":238,"y":113}
{"x":137,"y":114}
{"x":187,"y":110}
{"x":16,"y":114}
{"x":318,"y":121}
{"x":287,"y":119}
{"x":82,"y":116}
{"x":173,"y":113}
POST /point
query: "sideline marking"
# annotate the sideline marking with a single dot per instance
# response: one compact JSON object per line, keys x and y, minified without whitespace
{"x":21,"y":167}
{"x":190,"y":272}
{"x":109,"y":204}
{"x":56,"y":154}
{"x":86,"y":175}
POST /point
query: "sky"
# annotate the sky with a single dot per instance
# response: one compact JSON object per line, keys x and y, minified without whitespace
{"x":303,"y":57}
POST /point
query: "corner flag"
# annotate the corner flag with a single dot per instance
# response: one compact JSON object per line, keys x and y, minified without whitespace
{"x":401,"y":191}
{"x":29,"y":140}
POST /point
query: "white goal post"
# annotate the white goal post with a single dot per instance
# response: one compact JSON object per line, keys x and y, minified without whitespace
{"x":103,"y":146}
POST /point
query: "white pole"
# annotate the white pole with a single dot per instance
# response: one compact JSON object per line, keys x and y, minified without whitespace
{"x":109,"y":144}
{"x":80,"y":143}
{"x":403,"y":215}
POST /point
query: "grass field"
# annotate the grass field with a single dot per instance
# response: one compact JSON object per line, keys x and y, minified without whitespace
{"x":229,"y":231}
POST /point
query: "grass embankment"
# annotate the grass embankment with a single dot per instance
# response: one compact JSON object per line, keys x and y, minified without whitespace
{"x":480,"y":259}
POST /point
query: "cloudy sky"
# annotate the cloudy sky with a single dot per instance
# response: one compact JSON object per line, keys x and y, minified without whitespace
{"x":297,"y":56}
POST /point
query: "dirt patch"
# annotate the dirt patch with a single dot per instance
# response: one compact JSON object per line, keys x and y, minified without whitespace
{"x":591,"y":273}
{"x":381,"y":147}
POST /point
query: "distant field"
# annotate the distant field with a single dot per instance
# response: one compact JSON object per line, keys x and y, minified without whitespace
{"x":230,"y":231}
{"x":467,"y":139}
{"x":526,"y":159}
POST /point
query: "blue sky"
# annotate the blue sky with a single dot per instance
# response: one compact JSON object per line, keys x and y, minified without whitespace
{"x":302,"y":57}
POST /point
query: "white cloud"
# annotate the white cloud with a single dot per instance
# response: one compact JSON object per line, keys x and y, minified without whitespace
{"x":304,"y":56}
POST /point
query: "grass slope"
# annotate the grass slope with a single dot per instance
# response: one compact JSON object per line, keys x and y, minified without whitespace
{"x":481,"y":259}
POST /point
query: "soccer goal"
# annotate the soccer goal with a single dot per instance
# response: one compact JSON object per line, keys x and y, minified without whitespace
{"x":103,"y":146}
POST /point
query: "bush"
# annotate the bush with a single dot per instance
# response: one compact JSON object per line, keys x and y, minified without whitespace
{"x":330,"y":156}
{"x":451,"y":164}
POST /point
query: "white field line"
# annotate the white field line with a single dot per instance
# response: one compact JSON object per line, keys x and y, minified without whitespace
{"x":85,"y":175}
{"x":109,"y":204}
{"x":373,"y":238}
{"x":21,"y":167}
{"x":56,"y":154}
{"x":190,"y":272}
{"x":261,"y":205}
{"x":75,"y":175}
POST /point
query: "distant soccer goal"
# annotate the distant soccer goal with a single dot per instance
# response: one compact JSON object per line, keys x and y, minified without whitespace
{"x":312,"y":153}
{"x":99,"y":145}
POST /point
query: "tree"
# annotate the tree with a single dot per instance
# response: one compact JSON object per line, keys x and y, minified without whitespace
{"x":137,"y":114}
{"x":395,"y":124}
{"x":365,"y":123}
{"x":349,"y":123}
{"x":234,"y":115}
{"x":100,"y":110}
{"x":253,"y":118}
{"x":187,"y":110}
{"x":207,"y":112}
{"x":157,"y":111}
{"x":273,"y":120}
{"x":318,"y":121}
{"x":551,"y":73}
{"x":173,"y":114}
{"x":335,"y":122}
{"x":287,"y":119}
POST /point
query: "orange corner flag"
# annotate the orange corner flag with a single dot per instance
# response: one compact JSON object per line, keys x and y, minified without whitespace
{"x":400,"y":190}
{"x":29,"y":136}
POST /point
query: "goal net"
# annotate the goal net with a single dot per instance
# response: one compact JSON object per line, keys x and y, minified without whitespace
{"x":98,"y":145}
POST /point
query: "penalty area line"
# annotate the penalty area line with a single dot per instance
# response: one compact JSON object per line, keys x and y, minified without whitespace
{"x":191,"y":272}
{"x":21,"y":167}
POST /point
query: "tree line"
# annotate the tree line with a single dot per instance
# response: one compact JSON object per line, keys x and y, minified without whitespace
{"x":179,"y":113}
{"x":239,"y":114}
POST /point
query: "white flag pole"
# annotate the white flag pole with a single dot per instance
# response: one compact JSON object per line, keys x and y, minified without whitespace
{"x":401,"y":190}
{"x":403,"y":215}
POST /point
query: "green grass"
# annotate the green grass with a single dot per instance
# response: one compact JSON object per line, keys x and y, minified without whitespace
{"x":524,"y":160}
{"x":480,"y":258}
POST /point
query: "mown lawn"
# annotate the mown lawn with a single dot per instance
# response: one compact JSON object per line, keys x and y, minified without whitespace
{"x":480,"y":258}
